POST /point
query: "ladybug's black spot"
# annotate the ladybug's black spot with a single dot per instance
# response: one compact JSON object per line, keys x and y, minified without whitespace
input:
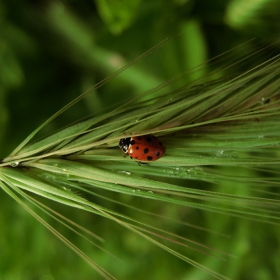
{"x":139,"y":138}
{"x":132,"y":142}
{"x":149,"y":158}
{"x":160,"y":143}
{"x":158,"y":154}
{"x":146,"y":151}
{"x":148,"y":139}
{"x":137,"y":147}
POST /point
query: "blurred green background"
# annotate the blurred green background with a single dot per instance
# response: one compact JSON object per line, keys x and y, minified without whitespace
{"x":52,"y":51}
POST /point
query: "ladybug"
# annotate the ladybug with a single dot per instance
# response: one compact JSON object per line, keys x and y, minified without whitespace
{"x":142,"y":148}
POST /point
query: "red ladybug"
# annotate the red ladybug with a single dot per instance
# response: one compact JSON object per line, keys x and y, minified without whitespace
{"x":142,"y":148}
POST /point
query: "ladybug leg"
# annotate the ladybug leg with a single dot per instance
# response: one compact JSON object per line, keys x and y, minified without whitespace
{"x":142,"y":163}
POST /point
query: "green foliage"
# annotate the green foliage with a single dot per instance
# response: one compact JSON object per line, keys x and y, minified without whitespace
{"x":118,"y":15}
{"x":218,"y":119}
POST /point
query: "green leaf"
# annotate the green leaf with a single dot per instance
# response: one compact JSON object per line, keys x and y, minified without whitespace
{"x":117,"y":15}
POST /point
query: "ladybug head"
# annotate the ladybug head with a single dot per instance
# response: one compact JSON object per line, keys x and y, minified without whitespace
{"x":124,"y":144}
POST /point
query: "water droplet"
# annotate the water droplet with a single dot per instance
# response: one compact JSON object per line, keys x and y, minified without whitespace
{"x":219,"y":153}
{"x":151,"y":192}
{"x":48,"y":177}
{"x":133,"y":191}
{"x":264,"y":101}
{"x":125,"y":172}
{"x":138,"y":190}
{"x":14,"y":164}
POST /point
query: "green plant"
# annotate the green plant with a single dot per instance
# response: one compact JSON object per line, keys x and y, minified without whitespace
{"x":219,"y":179}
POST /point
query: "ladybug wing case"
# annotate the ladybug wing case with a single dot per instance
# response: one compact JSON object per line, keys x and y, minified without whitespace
{"x":146,"y":148}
